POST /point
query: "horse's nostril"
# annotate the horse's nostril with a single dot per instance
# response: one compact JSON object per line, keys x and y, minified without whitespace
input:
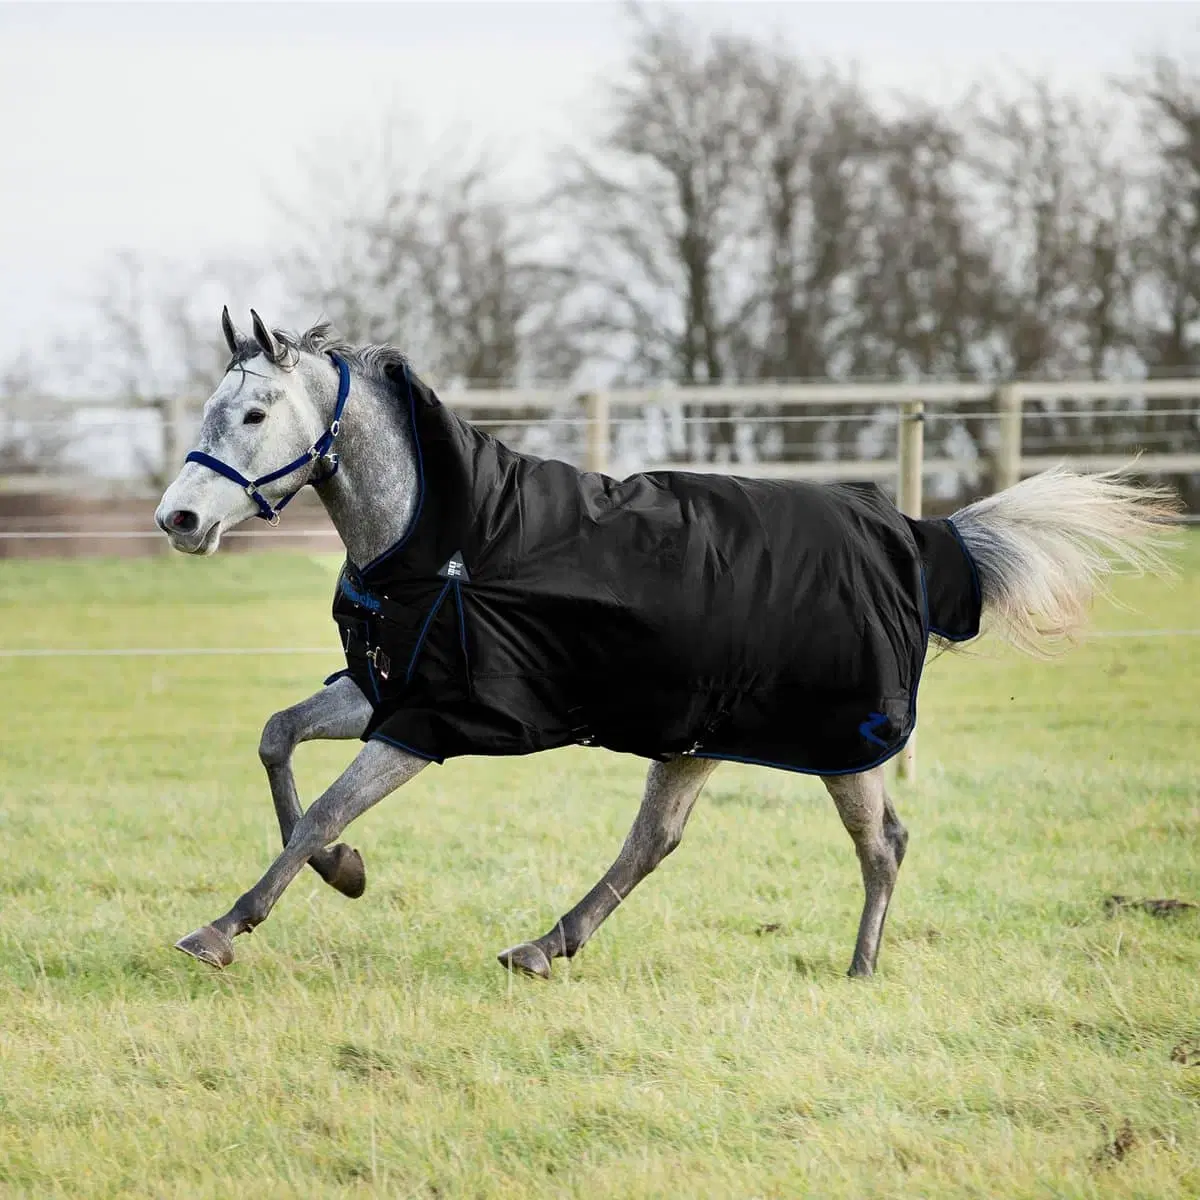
{"x":183,"y":520}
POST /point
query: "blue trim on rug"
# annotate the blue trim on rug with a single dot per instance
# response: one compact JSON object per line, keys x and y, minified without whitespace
{"x":975,"y":581}
{"x":433,"y":612}
{"x":383,"y":737}
{"x":462,"y":631}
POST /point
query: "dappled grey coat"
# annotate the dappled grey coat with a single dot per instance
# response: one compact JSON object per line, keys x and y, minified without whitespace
{"x":531,"y":605}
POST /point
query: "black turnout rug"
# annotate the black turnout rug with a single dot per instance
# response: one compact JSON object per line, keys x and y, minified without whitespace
{"x":531,"y":605}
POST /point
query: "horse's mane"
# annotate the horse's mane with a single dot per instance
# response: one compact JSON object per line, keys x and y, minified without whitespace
{"x":373,"y":361}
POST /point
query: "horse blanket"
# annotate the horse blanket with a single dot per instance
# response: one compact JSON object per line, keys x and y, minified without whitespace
{"x":531,"y":605}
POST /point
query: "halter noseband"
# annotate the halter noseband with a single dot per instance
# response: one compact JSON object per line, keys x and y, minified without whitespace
{"x":320,"y":449}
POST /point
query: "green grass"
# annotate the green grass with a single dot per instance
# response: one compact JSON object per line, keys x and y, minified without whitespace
{"x":375,"y":1047}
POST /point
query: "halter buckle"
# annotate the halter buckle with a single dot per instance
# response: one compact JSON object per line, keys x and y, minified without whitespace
{"x":273,"y":519}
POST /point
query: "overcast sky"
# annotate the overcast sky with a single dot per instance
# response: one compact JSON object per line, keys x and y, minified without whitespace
{"x":164,"y":127}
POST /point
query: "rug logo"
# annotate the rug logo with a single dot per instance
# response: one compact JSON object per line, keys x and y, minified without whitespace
{"x":873,"y":722}
{"x":455,"y":568}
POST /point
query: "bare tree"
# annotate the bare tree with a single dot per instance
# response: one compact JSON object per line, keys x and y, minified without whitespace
{"x":444,"y":261}
{"x":815,"y":136}
{"x":1054,"y":201}
{"x":660,"y":204}
{"x":156,"y":342}
{"x":34,"y":433}
{"x":1168,"y":254}
{"x":493,"y":298}
{"x":924,"y":287}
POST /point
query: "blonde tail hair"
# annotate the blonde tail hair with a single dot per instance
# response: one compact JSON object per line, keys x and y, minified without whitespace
{"x":1045,"y":548}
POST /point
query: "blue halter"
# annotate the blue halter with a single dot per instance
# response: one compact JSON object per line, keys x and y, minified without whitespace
{"x":320,"y":449}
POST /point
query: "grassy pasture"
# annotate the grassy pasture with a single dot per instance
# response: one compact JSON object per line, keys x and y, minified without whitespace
{"x":1018,"y":1041}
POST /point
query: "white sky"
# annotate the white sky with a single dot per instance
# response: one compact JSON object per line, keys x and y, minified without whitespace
{"x":164,"y":127}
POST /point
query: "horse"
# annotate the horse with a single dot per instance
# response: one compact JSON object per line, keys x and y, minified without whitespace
{"x":689,"y":619}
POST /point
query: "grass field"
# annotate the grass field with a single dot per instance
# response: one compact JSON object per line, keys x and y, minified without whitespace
{"x":1018,"y":1041}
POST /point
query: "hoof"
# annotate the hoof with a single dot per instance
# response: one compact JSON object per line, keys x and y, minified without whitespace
{"x":209,"y":945}
{"x":347,"y":874}
{"x":526,"y":958}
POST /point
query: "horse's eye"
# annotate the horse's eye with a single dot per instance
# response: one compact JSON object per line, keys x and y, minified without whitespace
{"x":255,"y":416}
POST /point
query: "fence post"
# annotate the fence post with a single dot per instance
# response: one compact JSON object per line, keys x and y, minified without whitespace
{"x":598,"y":433}
{"x":910,"y":466}
{"x":1007,"y":466}
{"x":171,"y":412}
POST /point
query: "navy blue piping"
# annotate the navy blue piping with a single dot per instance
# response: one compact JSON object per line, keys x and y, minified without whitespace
{"x":433,"y":612}
{"x":462,"y":630}
{"x":950,"y":637}
{"x":383,"y":737}
{"x":975,"y":584}
{"x":336,"y":676}
{"x":395,"y":546}
{"x":759,"y":762}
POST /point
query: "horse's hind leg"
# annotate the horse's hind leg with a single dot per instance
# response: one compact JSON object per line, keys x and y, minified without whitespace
{"x":337,"y":711}
{"x":671,"y":790}
{"x":880,"y":840}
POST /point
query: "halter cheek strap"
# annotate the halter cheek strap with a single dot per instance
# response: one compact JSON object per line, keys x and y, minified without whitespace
{"x":320,"y":449}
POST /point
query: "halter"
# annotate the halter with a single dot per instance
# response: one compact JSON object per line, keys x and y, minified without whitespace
{"x":320,"y":449}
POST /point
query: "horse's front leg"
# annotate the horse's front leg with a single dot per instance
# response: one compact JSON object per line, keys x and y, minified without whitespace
{"x":338,"y":711}
{"x":377,"y":770}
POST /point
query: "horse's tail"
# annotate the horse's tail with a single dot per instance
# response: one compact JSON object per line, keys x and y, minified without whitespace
{"x":1046,"y":546}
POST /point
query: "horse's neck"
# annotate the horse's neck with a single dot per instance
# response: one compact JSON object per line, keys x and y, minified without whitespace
{"x":372,"y":497}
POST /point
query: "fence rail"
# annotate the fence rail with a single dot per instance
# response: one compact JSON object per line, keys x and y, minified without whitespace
{"x":911,"y":398}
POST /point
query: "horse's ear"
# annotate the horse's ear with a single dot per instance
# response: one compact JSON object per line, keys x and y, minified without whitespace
{"x":233,"y":339}
{"x":266,"y":340}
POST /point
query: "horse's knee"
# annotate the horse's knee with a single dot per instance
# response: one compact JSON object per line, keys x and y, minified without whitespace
{"x":277,"y":742}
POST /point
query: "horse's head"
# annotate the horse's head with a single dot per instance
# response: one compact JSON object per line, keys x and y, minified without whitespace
{"x":268,"y":412}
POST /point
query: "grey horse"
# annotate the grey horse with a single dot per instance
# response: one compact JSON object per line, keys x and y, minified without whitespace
{"x":284,"y":404}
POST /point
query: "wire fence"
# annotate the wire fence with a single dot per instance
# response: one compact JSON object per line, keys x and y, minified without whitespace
{"x":974,"y":437}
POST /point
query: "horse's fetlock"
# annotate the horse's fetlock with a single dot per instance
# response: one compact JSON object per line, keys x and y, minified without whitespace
{"x":248,"y":913}
{"x":566,"y":940}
